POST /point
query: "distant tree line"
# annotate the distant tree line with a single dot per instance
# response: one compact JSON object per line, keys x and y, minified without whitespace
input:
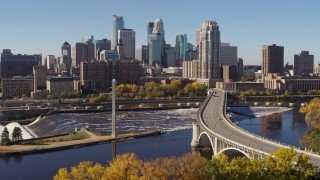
{"x":151,"y":90}
{"x":283,"y":164}
{"x":272,"y":92}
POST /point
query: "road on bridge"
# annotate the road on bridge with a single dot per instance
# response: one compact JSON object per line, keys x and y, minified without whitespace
{"x":214,"y":119}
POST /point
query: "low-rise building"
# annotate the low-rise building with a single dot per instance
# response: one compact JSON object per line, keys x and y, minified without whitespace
{"x":129,"y":71}
{"x":59,"y":84}
{"x":293,"y":84}
{"x":239,"y":86}
{"x":17,"y":86}
{"x":96,"y":76}
{"x":173,"y":71}
{"x":190,"y":69}
{"x":302,"y":84}
{"x":274,"y":82}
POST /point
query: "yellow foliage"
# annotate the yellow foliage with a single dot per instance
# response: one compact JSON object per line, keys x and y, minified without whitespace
{"x":63,"y":174}
{"x":312,"y":111}
{"x":283,"y":164}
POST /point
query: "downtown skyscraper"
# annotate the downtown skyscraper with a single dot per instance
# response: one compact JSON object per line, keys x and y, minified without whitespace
{"x":156,"y":43}
{"x":66,"y":55}
{"x":181,"y":46}
{"x":117,"y":24}
{"x":209,"y":51}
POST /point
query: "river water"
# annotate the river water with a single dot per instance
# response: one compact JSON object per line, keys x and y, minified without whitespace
{"x":286,"y":127}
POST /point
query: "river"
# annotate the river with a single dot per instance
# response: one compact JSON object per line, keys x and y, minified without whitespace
{"x":286,"y":127}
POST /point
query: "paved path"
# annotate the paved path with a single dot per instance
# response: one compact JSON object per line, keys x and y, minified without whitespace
{"x":51,"y":146}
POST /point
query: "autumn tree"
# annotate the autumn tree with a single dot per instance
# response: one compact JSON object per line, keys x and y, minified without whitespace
{"x":5,"y":140}
{"x":126,"y":166}
{"x":151,"y":89}
{"x":17,"y":135}
{"x":85,"y":170}
{"x":312,"y":111}
{"x":186,"y":167}
{"x":283,"y":164}
{"x":189,"y":90}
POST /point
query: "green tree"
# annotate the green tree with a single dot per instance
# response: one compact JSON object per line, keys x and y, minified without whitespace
{"x":311,"y":140}
{"x":5,"y":140}
{"x":17,"y":135}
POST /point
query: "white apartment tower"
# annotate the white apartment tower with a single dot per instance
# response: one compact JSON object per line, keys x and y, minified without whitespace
{"x":209,"y":51}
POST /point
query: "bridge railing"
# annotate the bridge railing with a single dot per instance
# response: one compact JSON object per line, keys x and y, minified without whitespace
{"x":298,"y":149}
{"x":231,"y":142}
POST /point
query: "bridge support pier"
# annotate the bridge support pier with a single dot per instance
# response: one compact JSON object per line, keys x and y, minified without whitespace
{"x":195,"y":134}
{"x":215,"y":148}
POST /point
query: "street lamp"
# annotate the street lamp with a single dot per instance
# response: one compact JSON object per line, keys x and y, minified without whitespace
{"x":114,"y":84}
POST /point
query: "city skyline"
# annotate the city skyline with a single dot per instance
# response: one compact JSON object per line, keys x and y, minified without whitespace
{"x":32,"y":28}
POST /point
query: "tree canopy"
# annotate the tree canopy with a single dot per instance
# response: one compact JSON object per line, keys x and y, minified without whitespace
{"x":152,"y":90}
{"x":283,"y":164}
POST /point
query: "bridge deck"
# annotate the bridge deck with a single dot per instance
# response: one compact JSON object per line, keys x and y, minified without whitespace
{"x":214,"y":118}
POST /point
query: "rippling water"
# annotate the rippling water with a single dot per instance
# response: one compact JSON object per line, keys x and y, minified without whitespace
{"x":286,"y":127}
{"x":130,"y":121}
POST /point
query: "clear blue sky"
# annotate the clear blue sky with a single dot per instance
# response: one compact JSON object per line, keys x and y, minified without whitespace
{"x":41,"y":26}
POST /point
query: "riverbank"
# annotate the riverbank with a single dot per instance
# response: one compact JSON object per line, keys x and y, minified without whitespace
{"x":55,"y":143}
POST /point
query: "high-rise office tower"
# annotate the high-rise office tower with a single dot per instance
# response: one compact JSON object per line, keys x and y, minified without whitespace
{"x":198,"y":36}
{"x":272,"y":59}
{"x":181,"y":47}
{"x":156,"y":44}
{"x":155,"y":47}
{"x":141,"y":53}
{"x":303,"y":63}
{"x":240,"y":68}
{"x":100,"y":45}
{"x":128,"y":37}
{"x":171,"y":55}
{"x":209,"y":51}
{"x":66,"y":55}
{"x":228,"y":54}
{"x":149,"y":32}
{"x":50,"y":61}
{"x":117,"y":24}
{"x":82,"y":52}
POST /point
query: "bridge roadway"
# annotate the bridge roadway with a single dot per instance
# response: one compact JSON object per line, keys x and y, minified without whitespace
{"x":214,"y":118}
